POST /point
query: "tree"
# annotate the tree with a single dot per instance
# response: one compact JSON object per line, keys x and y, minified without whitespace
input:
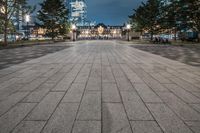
{"x":64,"y":29}
{"x":8,"y":12}
{"x":1,"y":27}
{"x":152,"y":11}
{"x":181,"y":15}
{"x":2,"y":13}
{"x":194,"y":7}
{"x":53,"y":17}
{"x":196,"y":18}
{"x":138,"y":19}
{"x":146,"y":17}
{"x":170,"y":15}
{"x":165,"y":15}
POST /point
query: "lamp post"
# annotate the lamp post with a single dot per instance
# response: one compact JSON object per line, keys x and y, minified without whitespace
{"x":128,"y":28}
{"x":73,"y":31}
{"x":27,"y":20}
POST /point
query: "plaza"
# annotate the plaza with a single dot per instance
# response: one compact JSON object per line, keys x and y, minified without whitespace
{"x":99,"y":87}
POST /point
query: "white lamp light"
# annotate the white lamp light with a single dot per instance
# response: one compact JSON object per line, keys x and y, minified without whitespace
{"x":73,"y":27}
{"x":2,"y":10}
{"x":27,"y":18}
{"x":128,"y":26}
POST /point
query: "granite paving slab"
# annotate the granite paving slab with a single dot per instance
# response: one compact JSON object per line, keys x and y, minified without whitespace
{"x":98,"y":87}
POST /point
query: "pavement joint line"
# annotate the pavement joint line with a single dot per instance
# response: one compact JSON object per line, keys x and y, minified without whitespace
{"x":14,"y":82}
{"x":192,"y":120}
{"x":81,"y":96}
{"x":13,"y":72}
{"x":63,"y":95}
{"x":195,"y":109}
{"x":41,"y":99}
{"x":93,"y":90}
{"x":142,"y":120}
{"x":122,"y":102}
{"x":68,"y":102}
{"x":162,"y":103}
{"x":155,"y":102}
{"x":28,"y":102}
{"x":166,"y":66}
{"x":23,"y":97}
{"x":112,"y":102}
{"x":32,"y":108}
{"x":184,"y":88}
{"x":142,"y":79}
{"x":23,"y":118}
{"x":35,"y":120}
{"x":101,"y":94}
{"x":184,"y":121}
{"x":140,"y":99}
{"x":125,"y":61}
{"x":87,"y":120}
{"x":58,"y":49}
{"x":58,"y":103}
{"x":57,"y":91}
{"x":167,"y":89}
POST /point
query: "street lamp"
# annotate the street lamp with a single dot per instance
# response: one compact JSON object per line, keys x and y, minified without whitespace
{"x":2,"y":10}
{"x":27,"y":20}
{"x":73,"y":27}
{"x":128,"y":28}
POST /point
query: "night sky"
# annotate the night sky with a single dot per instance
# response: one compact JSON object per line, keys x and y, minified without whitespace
{"x":109,"y":12}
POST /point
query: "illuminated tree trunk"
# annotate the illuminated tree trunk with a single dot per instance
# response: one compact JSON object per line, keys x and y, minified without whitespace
{"x":175,"y":32}
{"x":6,"y":23}
{"x":5,"y":33}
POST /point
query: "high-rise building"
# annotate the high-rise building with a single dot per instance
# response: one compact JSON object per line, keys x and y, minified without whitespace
{"x":77,"y":12}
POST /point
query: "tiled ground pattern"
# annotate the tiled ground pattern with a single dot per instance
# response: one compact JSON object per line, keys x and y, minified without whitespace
{"x":188,"y":54}
{"x":100,"y":87}
{"x":13,"y":56}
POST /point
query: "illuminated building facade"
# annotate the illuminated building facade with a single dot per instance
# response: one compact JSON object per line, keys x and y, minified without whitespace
{"x":100,"y":31}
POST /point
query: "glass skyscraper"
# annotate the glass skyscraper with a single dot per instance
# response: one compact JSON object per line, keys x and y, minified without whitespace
{"x":78,"y":12}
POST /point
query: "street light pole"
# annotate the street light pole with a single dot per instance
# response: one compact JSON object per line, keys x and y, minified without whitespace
{"x":128,"y":35}
{"x":73,"y":31}
{"x":128,"y":28}
{"x":73,"y":36}
{"x":27,"y":36}
{"x":27,"y":19}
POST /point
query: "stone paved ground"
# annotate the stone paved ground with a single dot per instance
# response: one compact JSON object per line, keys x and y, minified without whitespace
{"x":189,"y":54}
{"x":100,"y":87}
{"x":13,"y":56}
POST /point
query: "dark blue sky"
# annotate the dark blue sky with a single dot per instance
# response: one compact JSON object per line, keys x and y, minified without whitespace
{"x":110,"y":12}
